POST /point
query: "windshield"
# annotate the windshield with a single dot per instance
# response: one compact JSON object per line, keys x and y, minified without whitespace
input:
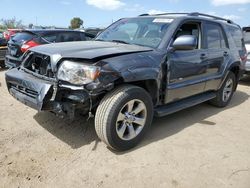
{"x":247,"y":36}
{"x":140,"y":31}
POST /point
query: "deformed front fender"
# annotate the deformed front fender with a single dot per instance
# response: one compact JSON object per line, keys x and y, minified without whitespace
{"x":138,"y":74}
{"x":135,"y":67}
{"x":143,"y":69}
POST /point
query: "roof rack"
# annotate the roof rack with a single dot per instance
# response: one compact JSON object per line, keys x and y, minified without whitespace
{"x":161,"y":14}
{"x":192,"y":14}
{"x":210,"y":16}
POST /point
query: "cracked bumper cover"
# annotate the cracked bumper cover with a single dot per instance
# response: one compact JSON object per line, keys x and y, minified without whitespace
{"x":28,"y":89}
{"x":37,"y":93}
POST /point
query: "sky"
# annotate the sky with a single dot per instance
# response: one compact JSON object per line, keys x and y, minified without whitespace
{"x":101,"y":13}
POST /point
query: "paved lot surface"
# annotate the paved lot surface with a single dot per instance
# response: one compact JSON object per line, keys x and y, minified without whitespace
{"x":199,"y":147}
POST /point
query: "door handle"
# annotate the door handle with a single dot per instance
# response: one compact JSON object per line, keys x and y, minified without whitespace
{"x":203,"y":56}
{"x":225,"y":53}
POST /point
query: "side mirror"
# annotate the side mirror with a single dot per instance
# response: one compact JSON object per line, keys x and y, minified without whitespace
{"x":185,"y":42}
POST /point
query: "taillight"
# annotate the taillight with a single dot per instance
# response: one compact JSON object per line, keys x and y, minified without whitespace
{"x":244,"y":56}
{"x":6,"y":35}
{"x":27,"y":45}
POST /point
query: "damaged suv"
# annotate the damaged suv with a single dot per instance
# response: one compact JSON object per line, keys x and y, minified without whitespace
{"x":136,"y":68}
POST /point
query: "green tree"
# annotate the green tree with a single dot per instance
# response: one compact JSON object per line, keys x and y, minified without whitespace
{"x":76,"y":22}
{"x":12,"y":23}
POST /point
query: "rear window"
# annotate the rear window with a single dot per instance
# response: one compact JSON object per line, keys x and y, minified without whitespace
{"x":236,"y":33}
{"x":23,"y":36}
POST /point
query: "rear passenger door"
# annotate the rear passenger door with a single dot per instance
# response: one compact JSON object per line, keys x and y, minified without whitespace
{"x":218,"y":53}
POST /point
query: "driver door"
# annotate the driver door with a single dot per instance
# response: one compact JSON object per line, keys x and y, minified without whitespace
{"x":186,"y":68}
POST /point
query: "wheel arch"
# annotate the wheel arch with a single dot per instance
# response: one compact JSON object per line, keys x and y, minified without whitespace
{"x":235,"y":68}
{"x":150,"y":85}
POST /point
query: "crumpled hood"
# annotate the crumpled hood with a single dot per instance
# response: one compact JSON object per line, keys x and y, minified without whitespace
{"x":88,"y":49}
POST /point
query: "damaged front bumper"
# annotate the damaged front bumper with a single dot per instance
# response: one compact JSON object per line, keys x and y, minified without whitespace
{"x":46,"y":95}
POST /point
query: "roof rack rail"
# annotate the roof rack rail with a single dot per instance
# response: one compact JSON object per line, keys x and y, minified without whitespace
{"x":161,"y":14}
{"x":210,"y":16}
{"x":146,"y":14}
{"x":192,"y":14}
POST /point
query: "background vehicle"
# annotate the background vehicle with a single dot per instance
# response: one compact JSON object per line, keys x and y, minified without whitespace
{"x":3,"y":41}
{"x":3,"y":49}
{"x":26,"y":39}
{"x":10,"y":32}
{"x":93,"y":30}
{"x":246,"y":33}
{"x":136,"y":68}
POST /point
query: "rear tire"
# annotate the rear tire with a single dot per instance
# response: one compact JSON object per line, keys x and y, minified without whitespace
{"x":225,"y":93}
{"x":123,"y":117}
{"x":2,"y":64}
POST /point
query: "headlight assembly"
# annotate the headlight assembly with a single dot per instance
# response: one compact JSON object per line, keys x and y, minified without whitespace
{"x":77,"y":73}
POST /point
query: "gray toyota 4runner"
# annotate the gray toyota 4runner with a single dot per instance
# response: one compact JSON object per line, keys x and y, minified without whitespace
{"x":136,"y":68}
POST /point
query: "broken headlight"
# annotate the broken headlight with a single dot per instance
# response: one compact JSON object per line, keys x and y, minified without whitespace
{"x":77,"y":73}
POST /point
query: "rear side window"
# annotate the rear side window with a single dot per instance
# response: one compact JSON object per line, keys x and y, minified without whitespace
{"x":50,"y":37}
{"x":69,"y":36}
{"x":23,"y":36}
{"x":214,"y":37}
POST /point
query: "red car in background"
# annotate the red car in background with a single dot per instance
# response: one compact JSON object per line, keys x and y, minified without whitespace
{"x":26,"y":39}
{"x":10,"y":32}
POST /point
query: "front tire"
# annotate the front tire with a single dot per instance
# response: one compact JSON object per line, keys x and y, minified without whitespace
{"x":225,"y":93}
{"x":123,"y":117}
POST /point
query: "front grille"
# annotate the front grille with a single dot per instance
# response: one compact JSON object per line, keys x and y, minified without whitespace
{"x":2,"y":52}
{"x":39,"y":64}
{"x":31,"y":93}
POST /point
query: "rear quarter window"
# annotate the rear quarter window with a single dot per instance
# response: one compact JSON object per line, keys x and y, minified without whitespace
{"x":237,"y":36}
{"x":246,"y":34}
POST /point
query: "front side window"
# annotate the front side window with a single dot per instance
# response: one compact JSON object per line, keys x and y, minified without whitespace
{"x":214,"y":37}
{"x":139,"y":31}
{"x":190,"y":28}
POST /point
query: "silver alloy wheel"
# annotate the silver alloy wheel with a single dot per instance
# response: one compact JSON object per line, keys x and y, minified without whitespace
{"x":227,"y":91}
{"x":131,"y":119}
